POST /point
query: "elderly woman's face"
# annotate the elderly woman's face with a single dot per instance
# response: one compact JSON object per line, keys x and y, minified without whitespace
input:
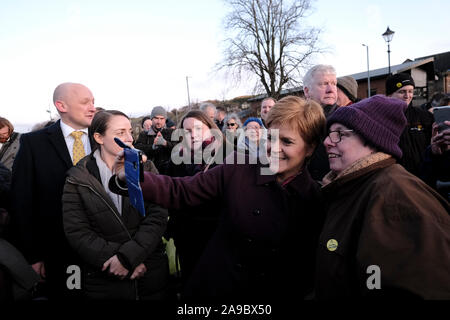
{"x":348,"y":150}
{"x":288,"y":155}
{"x":231,"y":124}
{"x":253,"y":131}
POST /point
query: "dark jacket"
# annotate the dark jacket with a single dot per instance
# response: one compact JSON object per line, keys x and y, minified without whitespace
{"x":17,"y":278}
{"x":380,"y":215}
{"x":219,"y":124}
{"x":161,"y":154}
{"x":5,"y":186}
{"x":415,"y":138}
{"x":265,"y":243}
{"x":436,"y":172}
{"x":16,"y":268}
{"x":319,"y":165}
{"x":97,"y":231}
{"x":39,"y":173}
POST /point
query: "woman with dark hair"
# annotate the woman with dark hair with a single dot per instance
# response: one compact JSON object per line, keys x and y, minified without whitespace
{"x":387,"y":233}
{"x":191,"y":227}
{"x":122,"y":251}
{"x":264,"y":246}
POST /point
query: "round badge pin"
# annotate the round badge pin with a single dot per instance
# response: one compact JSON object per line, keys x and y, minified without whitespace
{"x":332,"y":245}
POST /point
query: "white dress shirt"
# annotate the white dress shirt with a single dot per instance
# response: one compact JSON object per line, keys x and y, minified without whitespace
{"x":67,"y":130}
{"x":105,"y":175}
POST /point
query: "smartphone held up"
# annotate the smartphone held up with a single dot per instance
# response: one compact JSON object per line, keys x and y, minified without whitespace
{"x":441,"y":114}
{"x":134,"y":173}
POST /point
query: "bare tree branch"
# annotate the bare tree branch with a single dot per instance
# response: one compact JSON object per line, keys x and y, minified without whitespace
{"x":270,"y":40}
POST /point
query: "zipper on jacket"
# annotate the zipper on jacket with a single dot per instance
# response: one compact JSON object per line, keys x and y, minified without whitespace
{"x":114,"y":212}
{"x":117,"y":217}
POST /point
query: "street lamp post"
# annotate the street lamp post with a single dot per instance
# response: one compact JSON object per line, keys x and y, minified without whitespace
{"x":368,"y":71}
{"x":388,"y":35}
{"x":189,"y":99}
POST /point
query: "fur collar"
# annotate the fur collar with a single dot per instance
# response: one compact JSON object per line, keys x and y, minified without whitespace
{"x":355,"y":167}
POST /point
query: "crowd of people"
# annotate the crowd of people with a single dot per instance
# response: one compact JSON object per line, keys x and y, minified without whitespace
{"x":301,"y":202}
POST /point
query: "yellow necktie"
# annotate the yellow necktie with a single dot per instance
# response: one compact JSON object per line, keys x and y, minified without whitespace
{"x":78,"y":148}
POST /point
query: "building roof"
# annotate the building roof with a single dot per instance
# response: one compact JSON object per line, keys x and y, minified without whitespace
{"x":425,"y":63}
{"x":282,"y":93}
{"x":441,"y":61}
{"x":394,"y":69}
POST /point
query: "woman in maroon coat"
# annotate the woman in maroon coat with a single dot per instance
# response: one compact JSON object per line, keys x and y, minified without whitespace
{"x":265,"y":242}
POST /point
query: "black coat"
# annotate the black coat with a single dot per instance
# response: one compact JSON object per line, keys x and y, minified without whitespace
{"x":5,"y":185}
{"x":39,"y":173}
{"x":436,"y":172}
{"x":97,"y":231}
{"x":319,"y":165}
{"x":161,"y":155}
{"x":415,"y":139}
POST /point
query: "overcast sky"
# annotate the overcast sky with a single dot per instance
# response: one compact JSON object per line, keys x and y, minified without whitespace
{"x":135,"y":55}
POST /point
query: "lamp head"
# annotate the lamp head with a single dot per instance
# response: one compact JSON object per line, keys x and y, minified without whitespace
{"x":388,"y":35}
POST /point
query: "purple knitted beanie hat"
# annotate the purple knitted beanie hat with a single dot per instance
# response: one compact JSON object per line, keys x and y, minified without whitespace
{"x":379,"y":120}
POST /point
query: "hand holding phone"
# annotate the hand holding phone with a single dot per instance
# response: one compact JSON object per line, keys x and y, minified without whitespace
{"x":134,"y":173}
{"x":441,"y":114}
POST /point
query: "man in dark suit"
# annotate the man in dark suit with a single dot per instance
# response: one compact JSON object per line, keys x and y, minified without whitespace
{"x":39,"y":173}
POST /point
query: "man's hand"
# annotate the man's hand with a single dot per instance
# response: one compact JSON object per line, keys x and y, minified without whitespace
{"x":138,"y":272}
{"x":159,"y":140}
{"x":115,"y":267}
{"x":440,"y":142}
{"x":39,"y":268}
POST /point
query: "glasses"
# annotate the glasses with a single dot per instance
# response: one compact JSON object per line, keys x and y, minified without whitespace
{"x":231,"y":124}
{"x":336,"y":136}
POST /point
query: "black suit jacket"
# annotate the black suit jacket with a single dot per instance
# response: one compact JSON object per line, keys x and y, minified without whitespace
{"x":39,"y":174}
